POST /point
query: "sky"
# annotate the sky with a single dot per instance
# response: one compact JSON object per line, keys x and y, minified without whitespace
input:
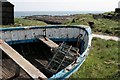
{"x":65,"y":5}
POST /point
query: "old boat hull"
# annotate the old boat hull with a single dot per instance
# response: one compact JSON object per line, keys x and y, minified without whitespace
{"x":56,"y":33}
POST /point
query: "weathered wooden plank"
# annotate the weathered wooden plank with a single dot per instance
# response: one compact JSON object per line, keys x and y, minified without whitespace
{"x":48,"y":42}
{"x":21,"y":61}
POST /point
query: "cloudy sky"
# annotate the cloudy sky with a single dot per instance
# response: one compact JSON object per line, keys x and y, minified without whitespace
{"x":65,"y":5}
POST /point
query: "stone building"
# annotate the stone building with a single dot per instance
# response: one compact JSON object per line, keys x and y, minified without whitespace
{"x":6,"y":12}
{"x":117,"y":10}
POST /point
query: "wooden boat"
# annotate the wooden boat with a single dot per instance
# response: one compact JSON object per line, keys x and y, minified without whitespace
{"x":43,"y":52}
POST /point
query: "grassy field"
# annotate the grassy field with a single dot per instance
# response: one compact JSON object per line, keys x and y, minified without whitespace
{"x":24,"y":22}
{"x":102,"y":62}
{"x":101,"y":26}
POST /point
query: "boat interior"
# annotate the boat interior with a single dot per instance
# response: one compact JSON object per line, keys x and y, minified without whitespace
{"x":48,"y":60}
{"x":41,"y":56}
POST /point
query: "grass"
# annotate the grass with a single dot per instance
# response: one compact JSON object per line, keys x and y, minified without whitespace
{"x":104,"y":26}
{"x":24,"y":22}
{"x":102,"y":62}
{"x":101,"y":26}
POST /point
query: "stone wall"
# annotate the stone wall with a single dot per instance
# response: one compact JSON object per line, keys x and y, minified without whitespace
{"x":6,"y":13}
{"x":117,"y":10}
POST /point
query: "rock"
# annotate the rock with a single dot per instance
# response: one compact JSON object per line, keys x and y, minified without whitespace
{"x":49,"y":19}
{"x":91,"y":24}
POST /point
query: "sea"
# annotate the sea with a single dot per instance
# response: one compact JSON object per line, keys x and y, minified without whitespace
{"x":21,"y":14}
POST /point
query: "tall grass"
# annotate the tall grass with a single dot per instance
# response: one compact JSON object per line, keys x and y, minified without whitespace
{"x":104,"y":26}
{"x":102,"y":62}
{"x":23,"y":22}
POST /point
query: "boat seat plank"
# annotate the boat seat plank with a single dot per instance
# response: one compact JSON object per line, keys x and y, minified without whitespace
{"x":9,"y":72}
{"x":21,"y":61}
{"x":48,"y":42}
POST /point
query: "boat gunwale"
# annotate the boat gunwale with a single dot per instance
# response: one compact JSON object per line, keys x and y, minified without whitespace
{"x":43,"y":27}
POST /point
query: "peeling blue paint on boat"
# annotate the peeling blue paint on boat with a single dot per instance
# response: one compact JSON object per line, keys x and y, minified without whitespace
{"x":64,"y":73}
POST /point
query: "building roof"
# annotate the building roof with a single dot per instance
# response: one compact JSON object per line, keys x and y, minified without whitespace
{"x":6,"y":3}
{"x":3,"y":1}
